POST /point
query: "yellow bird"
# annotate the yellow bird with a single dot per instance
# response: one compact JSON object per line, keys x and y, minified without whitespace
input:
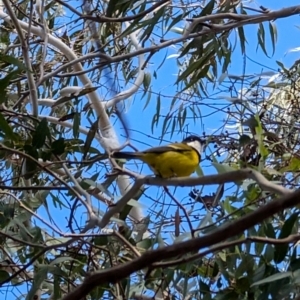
{"x":173,"y":160}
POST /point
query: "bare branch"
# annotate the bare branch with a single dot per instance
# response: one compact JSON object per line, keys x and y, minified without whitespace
{"x":234,"y":176}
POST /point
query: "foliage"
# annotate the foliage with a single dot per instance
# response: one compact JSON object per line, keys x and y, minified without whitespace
{"x":67,"y":73}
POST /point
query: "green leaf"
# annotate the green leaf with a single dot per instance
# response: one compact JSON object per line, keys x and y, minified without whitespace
{"x":227,"y":60}
{"x":287,"y":228}
{"x":228,"y":207}
{"x":199,"y":171}
{"x":259,"y":273}
{"x":3,"y":275}
{"x":37,"y":235}
{"x":261,"y":38}
{"x":90,"y":137}
{"x":4,"y":127}
{"x":155,"y":118}
{"x":244,"y":139}
{"x":101,"y":240}
{"x":148,"y":100}
{"x":5,"y":82}
{"x":182,"y":118}
{"x":173,"y":126}
{"x":62,"y":259}
{"x":269,"y":230}
{"x":4,"y":37}
{"x":242,"y":39}
{"x":30,"y":165}
{"x":56,"y":287}
{"x":251,"y":122}
{"x":98,"y":292}
{"x":6,"y":214}
{"x":259,"y":247}
{"x":45,"y":155}
{"x":101,"y":187}
{"x":146,"y":244}
{"x":12,"y":60}
{"x":207,"y":10}
{"x":111,"y":7}
{"x":195,"y":66}
{"x":39,"y":277}
{"x":40,"y":134}
{"x":76,"y":124}
{"x":281,"y":65}
{"x":154,"y":21}
{"x":293,"y":166}
{"x":166,"y":125}
{"x":273,"y":34}
{"x":67,"y":117}
{"x":176,"y":20}
{"x":272,"y":278}
{"x":58,"y":146}
{"x":260,"y":138}
{"x":207,"y":220}
{"x":222,"y":77}
{"x":243,"y":284}
{"x":146,"y":81}
{"x":132,"y":203}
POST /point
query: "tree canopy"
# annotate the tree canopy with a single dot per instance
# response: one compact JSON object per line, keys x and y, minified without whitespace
{"x":80,"y":80}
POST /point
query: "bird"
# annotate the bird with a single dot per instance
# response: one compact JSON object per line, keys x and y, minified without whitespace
{"x":172,"y":160}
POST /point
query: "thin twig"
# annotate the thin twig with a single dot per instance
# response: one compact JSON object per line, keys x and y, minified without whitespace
{"x":131,"y":247}
{"x":182,"y":208}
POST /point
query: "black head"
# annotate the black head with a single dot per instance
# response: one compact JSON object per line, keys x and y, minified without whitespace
{"x":193,"y":138}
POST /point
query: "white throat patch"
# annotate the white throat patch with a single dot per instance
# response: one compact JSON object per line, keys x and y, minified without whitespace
{"x":196,"y":145}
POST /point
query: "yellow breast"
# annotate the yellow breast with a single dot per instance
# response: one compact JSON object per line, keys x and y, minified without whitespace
{"x":172,"y":163}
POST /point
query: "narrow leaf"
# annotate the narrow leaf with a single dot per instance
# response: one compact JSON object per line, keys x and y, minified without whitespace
{"x":272,"y":278}
{"x":40,"y":134}
{"x":4,"y":126}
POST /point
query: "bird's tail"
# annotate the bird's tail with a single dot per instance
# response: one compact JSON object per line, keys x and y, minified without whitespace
{"x":126,"y":155}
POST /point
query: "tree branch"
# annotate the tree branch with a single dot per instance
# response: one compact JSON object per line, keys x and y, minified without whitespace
{"x":131,"y":193}
{"x":104,"y":19}
{"x":233,"y":176}
{"x":117,"y":273}
{"x":241,"y":20}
